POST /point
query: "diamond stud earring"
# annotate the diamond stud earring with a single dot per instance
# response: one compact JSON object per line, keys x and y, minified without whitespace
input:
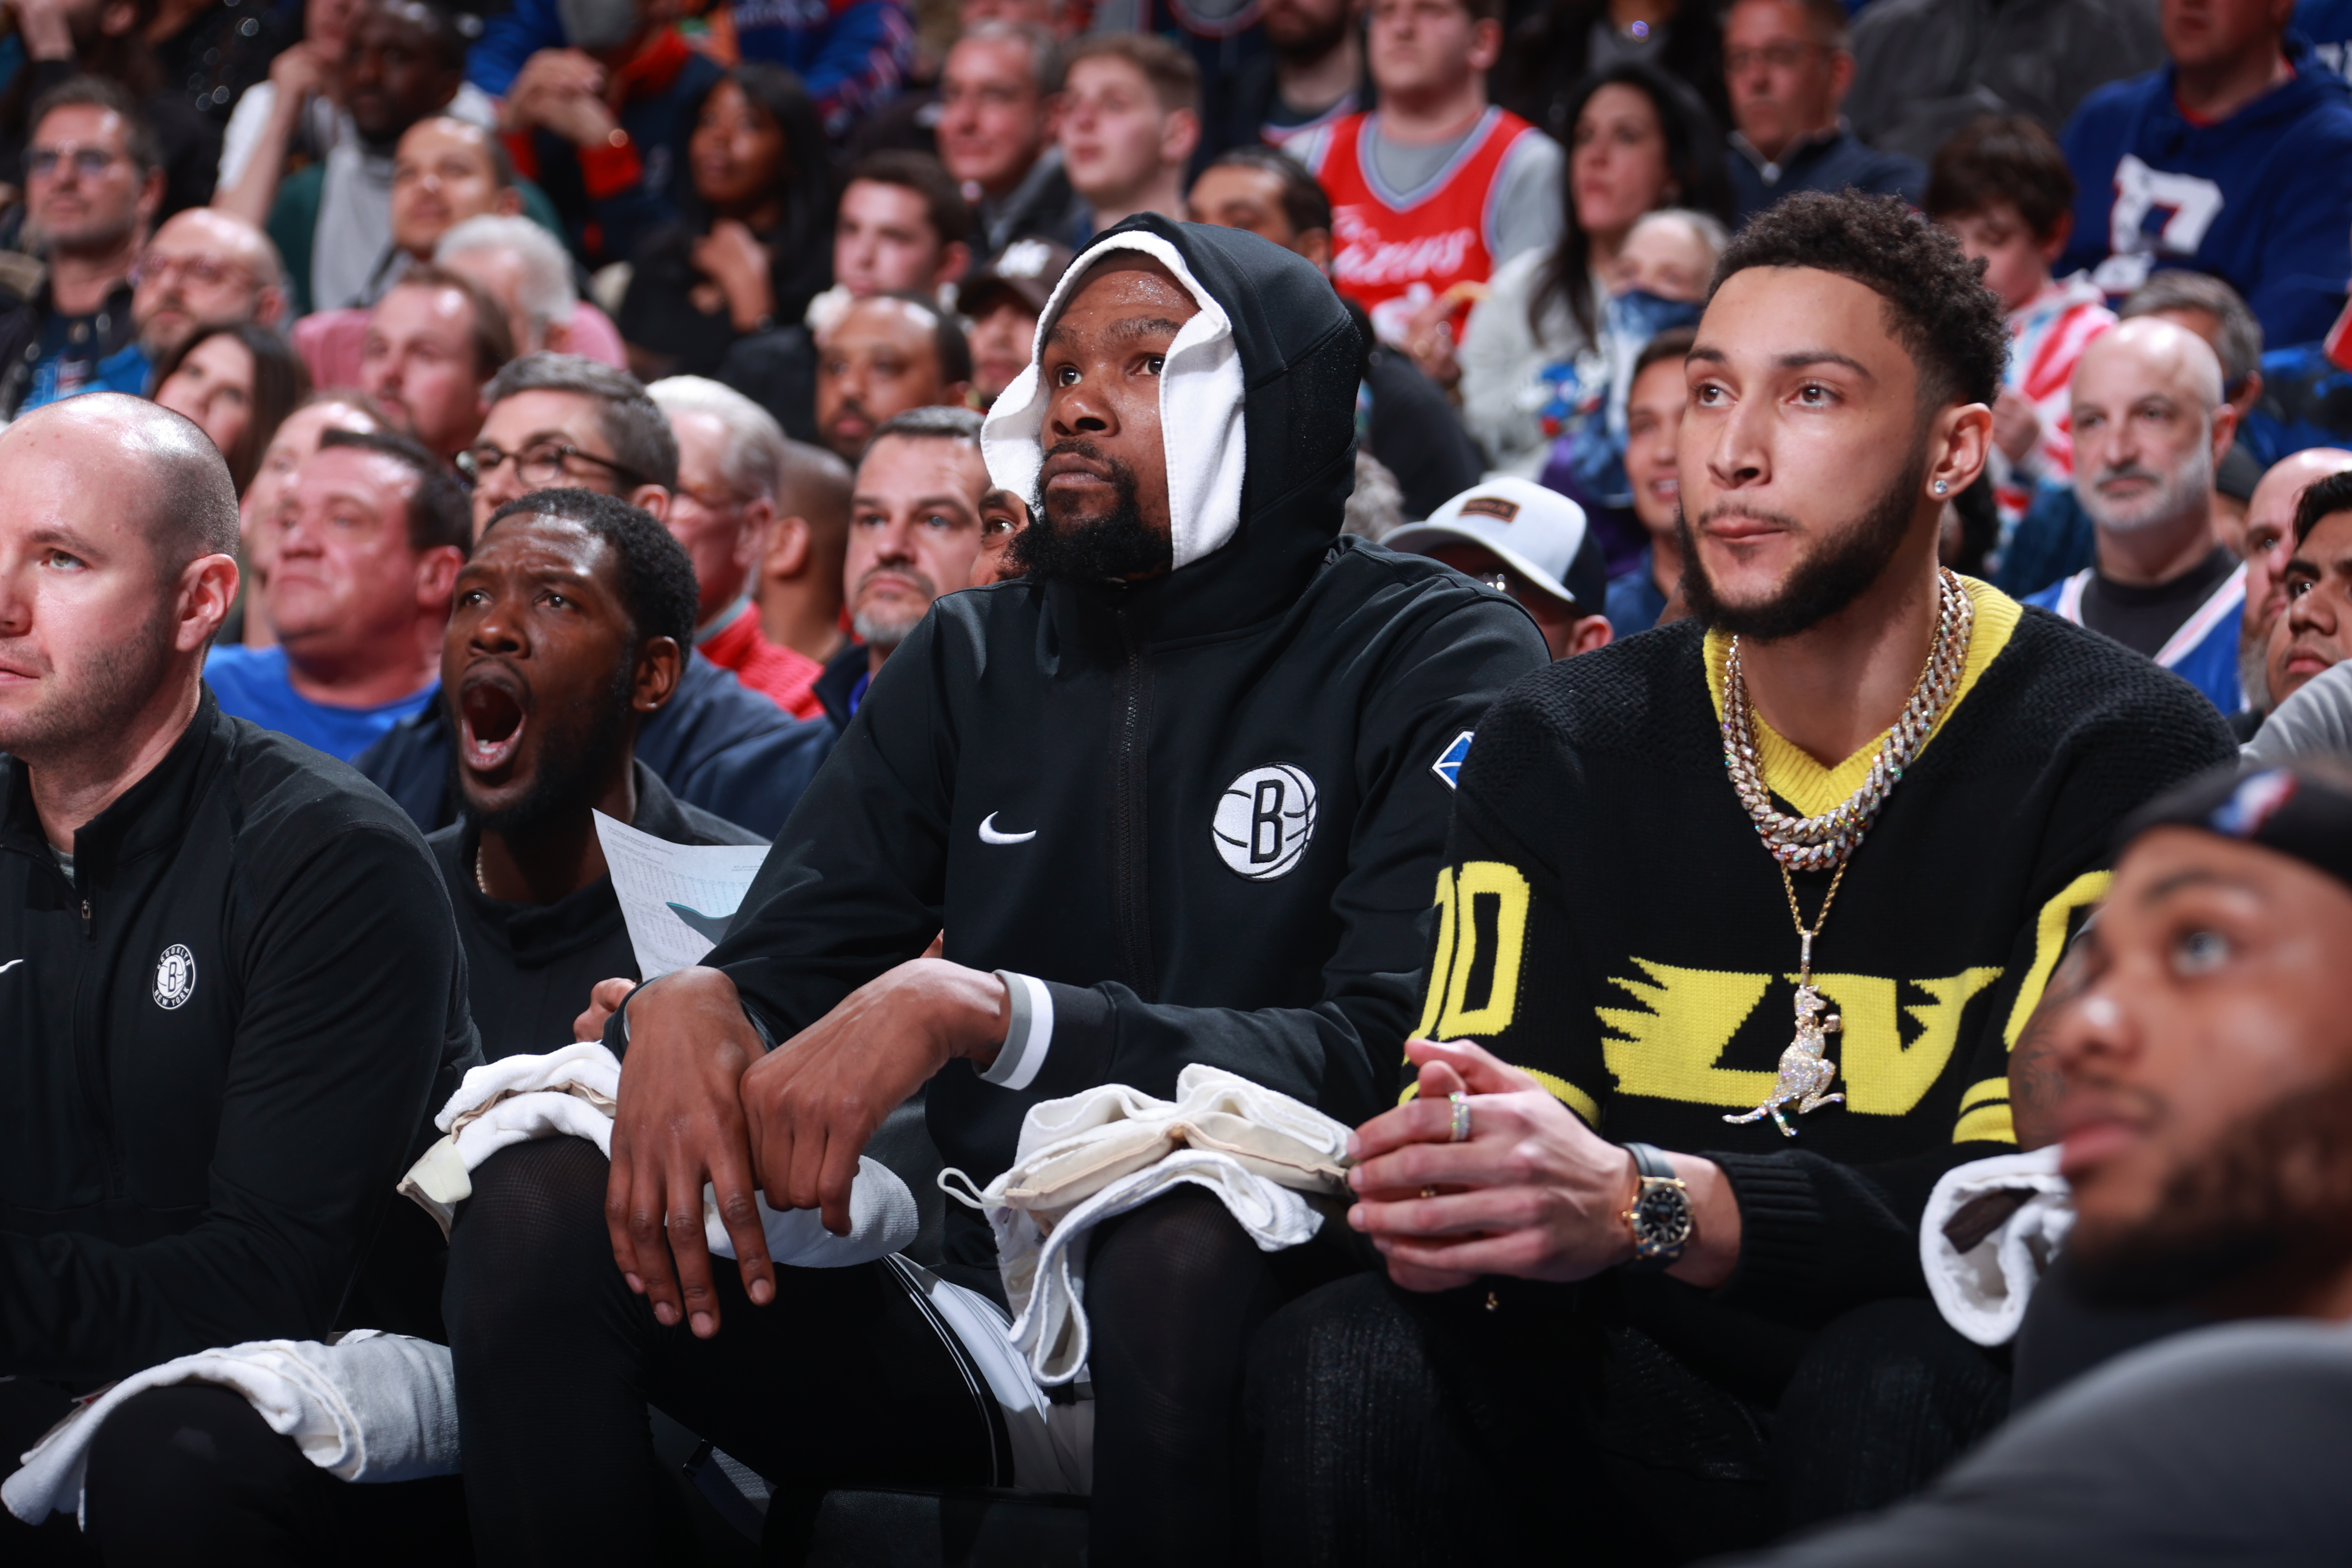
{"x":1941,"y":487}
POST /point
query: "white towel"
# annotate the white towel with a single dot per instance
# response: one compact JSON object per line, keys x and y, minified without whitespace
{"x":370,"y":1407}
{"x":1983,"y":1291}
{"x":1083,"y":1159}
{"x":575,"y":1092}
{"x":1203,"y":410}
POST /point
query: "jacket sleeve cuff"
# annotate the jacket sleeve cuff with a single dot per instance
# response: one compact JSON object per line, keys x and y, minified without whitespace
{"x":1085,"y":1030}
{"x":1029,"y":1037}
{"x":1782,"y":1230}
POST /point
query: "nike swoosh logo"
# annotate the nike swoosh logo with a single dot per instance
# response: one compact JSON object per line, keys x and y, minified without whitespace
{"x":988,"y":835}
{"x":12,"y":963}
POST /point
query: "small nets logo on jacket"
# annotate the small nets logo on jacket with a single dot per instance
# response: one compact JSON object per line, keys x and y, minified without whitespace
{"x":175,"y":977}
{"x":1264,"y":821}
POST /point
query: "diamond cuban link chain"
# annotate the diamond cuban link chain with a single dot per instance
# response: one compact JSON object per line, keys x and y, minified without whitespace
{"x":1825,"y":842}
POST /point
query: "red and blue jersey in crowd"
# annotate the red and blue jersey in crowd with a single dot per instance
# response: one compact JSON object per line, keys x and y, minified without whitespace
{"x":851,"y":55}
{"x":2259,"y":199}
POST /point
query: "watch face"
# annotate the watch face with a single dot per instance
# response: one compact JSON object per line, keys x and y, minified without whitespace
{"x":1662,"y":1218}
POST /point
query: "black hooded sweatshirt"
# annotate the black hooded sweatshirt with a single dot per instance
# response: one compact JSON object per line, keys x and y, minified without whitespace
{"x":1041,"y":770}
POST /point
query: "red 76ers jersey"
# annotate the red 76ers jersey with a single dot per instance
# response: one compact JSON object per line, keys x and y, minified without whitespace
{"x":1393,"y":256}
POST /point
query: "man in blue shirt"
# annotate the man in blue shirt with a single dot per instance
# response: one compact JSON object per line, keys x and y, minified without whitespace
{"x":368,"y":549}
{"x":2229,"y":159}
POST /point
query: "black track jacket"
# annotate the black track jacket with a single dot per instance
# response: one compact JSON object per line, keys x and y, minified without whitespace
{"x":222,"y":1039}
{"x":1205,"y":809}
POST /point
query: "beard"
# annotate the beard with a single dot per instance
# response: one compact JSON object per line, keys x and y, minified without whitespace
{"x":1056,"y":547}
{"x":98,"y":706}
{"x":2187,"y":489}
{"x":879,"y":629}
{"x":574,"y":750}
{"x":1295,"y":37}
{"x":159,"y":342}
{"x":1830,"y":575}
{"x":2250,"y":1225}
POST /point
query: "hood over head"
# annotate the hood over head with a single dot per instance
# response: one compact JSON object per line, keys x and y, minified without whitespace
{"x":1257,"y":398}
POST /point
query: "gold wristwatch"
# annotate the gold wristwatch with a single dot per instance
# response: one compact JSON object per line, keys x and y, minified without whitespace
{"x":1661,"y":1217}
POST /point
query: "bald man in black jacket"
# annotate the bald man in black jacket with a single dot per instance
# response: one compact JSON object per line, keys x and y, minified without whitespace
{"x":231,"y":989}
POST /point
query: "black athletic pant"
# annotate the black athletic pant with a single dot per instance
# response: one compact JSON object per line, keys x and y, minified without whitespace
{"x":1397,"y":1429}
{"x":192,"y":1475}
{"x":841,"y":1379}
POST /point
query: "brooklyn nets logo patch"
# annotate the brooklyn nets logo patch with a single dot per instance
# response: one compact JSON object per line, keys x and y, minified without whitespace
{"x":175,"y":977}
{"x":1264,"y":821}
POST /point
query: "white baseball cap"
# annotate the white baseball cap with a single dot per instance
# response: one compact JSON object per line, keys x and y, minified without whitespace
{"x":1538,"y":533}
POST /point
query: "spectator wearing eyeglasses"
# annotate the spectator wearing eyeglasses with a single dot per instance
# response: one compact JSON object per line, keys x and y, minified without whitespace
{"x":432,"y":343}
{"x":113,"y":41}
{"x":203,"y":268}
{"x":1787,"y":65}
{"x":563,"y":422}
{"x":93,"y":181}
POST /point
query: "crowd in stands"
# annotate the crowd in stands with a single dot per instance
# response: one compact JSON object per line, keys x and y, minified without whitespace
{"x":1118,"y":499}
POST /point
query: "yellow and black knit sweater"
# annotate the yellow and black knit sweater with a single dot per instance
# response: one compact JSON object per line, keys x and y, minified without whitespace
{"x":1610,"y":921}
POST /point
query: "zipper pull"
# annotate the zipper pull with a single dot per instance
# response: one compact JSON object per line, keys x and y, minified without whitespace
{"x":85,"y":917}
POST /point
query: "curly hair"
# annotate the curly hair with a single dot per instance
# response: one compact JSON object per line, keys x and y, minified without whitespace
{"x":656,"y":576}
{"x":1937,"y":305}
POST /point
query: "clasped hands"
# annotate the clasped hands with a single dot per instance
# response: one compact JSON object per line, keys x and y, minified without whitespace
{"x":1533,"y":1192}
{"x":704,"y":1101}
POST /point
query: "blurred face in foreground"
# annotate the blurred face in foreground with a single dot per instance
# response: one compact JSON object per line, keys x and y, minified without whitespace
{"x":2206,"y":1058}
